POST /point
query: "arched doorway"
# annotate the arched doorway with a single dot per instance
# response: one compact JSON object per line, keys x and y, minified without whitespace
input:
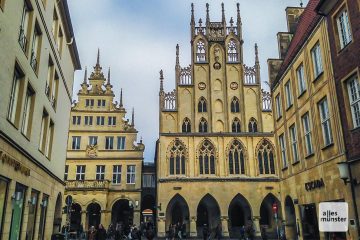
{"x":208,"y":212}
{"x":267,"y":217}
{"x":239,"y":213}
{"x":57,"y":214}
{"x":290,"y":218}
{"x":122,"y":212}
{"x":93,"y":215}
{"x":148,"y":202}
{"x":177,"y":211}
{"x":75,"y":218}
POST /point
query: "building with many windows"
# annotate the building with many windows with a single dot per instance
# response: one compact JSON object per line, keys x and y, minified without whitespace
{"x":103,"y":162}
{"x":307,"y":125}
{"x":216,"y":162}
{"x":38,"y":59}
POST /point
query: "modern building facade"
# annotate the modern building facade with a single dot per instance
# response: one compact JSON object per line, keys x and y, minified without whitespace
{"x":307,"y":125}
{"x":38,"y":59}
{"x":216,"y":161}
{"x":343,"y":21}
{"x":103,"y":163}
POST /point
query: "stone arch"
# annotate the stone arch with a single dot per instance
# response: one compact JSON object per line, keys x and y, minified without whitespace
{"x":290,"y":218}
{"x":177,"y":211}
{"x":122,"y":211}
{"x":239,"y":213}
{"x":219,"y":126}
{"x":94,"y":201}
{"x":267,"y":217}
{"x":57,"y":214}
{"x":186,"y":125}
{"x":208,"y":212}
{"x":219,"y":106}
{"x":176,"y":156}
{"x":236,"y":125}
{"x":202,"y":104}
{"x":204,"y":153}
{"x":75,"y":220}
{"x":218,"y":85}
{"x":234,"y":150}
{"x":265,"y":154}
{"x":93,"y":215}
{"x":253,"y":125}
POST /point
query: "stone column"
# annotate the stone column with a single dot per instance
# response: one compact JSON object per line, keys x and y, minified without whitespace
{"x":225,"y":226}
{"x":256,"y":220}
{"x":104,"y":219}
{"x":137,"y":217}
{"x":193,"y":231}
{"x":298,"y":222}
{"x":83,"y":220}
{"x":161,"y":227}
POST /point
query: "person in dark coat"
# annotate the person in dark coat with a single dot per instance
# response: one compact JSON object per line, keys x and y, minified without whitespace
{"x":205,"y":232}
{"x":101,"y":233}
{"x":91,"y":233}
{"x":263,"y":233}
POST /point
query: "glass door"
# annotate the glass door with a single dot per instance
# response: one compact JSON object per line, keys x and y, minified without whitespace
{"x":33,"y":202}
{"x":18,"y":201}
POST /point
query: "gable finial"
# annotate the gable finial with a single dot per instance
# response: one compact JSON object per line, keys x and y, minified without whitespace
{"x":133,"y":117}
{"x":223,"y":13}
{"x":207,"y":14}
{"x":85,"y":75}
{"x":98,"y":57}
{"x":121,"y":99}
{"x":256,"y":54}
{"x":177,"y":55}
{"x":238,"y":13}
{"x":200,"y":23}
{"x":161,"y":81}
{"x":108,"y":77}
{"x":192,"y":14}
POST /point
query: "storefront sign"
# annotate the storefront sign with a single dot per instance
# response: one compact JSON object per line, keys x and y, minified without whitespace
{"x":319,"y":183}
{"x":14,"y":163}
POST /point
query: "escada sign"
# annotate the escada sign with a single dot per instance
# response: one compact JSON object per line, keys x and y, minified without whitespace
{"x":319,"y":183}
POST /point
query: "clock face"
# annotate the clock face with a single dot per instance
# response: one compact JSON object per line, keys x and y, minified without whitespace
{"x":233,"y":85}
{"x":202,"y":85}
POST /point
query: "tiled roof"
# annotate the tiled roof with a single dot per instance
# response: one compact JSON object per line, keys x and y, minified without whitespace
{"x":308,"y":20}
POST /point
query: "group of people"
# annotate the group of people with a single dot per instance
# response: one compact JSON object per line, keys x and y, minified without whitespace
{"x":177,"y":231}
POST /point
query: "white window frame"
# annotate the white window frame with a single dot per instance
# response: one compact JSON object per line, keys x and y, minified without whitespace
{"x":344,"y":29}
{"x":112,"y":121}
{"x":288,"y":94}
{"x":294,"y":143}
{"x":130,"y":174}
{"x":117,"y":173}
{"x":121,"y":142}
{"x":353,"y":86}
{"x":88,"y":120}
{"x":93,"y":140}
{"x":278,"y":106}
{"x":66,"y":172}
{"x":80,"y":172}
{"x":283,"y":150}
{"x":14,"y":96}
{"x":109,"y":142}
{"x":307,"y":134}
{"x":301,"y":79}
{"x":77,"y":141}
{"x":100,"y":172}
{"x":325,"y":122}
{"x":76,"y":120}
{"x":26,"y":111}
{"x":317,"y":60}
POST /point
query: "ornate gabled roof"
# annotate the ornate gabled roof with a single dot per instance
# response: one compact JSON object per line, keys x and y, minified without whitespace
{"x":97,"y":74}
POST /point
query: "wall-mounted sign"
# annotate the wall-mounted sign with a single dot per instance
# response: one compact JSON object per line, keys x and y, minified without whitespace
{"x":319,"y":183}
{"x":18,"y":166}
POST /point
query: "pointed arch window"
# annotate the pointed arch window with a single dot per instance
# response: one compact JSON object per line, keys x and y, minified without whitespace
{"x":236,"y":158}
{"x":203,"y":125}
{"x":266,"y":158}
{"x":177,"y":158}
{"x":236,"y":125}
{"x":235,"y":107}
{"x":186,"y":126}
{"x":202,"y":105}
{"x":200,"y":51}
{"x":232,"y":51}
{"x":253,"y":125}
{"x":207,"y":158}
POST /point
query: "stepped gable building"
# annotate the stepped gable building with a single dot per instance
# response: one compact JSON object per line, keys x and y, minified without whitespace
{"x":103,"y":165}
{"x":216,"y":162}
{"x":308,"y":129}
{"x":38,"y":57}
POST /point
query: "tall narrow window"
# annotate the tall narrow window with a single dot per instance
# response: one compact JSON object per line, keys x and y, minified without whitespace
{"x":55,"y":24}
{"x":49,"y":78}
{"x":17,"y":207}
{"x":294,"y":144}
{"x":76,"y":120}
{"x":203,"y":126}
{"x":307,"y":134}
{"x":316,"y":59}
{"x":28,"y":111}
{"x":88,"y":120}
{"x":44,"y":130}
{"x":100,"y":172}
{"x":89,"y":102}
{"x":31,"y":222}
{"x":235,"y":107}
{"x":177,"y":158}
{"x":130,"y":175}
{"x":54,"y":91}
{"x":283,"y":150}
{"x":235,"y":127}
{"x":207,"y":158}
{"x":343,"y":28}
{"x":76,"y":140}
{"x":42,"y":224}
{"x":278,"y":106}
{"x":200,"y":52}
{"x":15,"y":97}
{"x":232,"y":51}
{"x":325,"y":122}
{"x":66,"y":172}
{"x":93,"y":140}
{"x":60,"y":40}
{"x":24,"y":26}
{"x":301,"y":79}
{"x":202,"y":105}
{"x":109,"y":143}
{"x":236,"y":158}
{"x":101,"y":102}
{"x":253,"y":125}
{"x":120,"y":143}
{"x":35,"y":47}
{"x":80,"y":172}
{"x":354,"y":99}
{"x":186,"y":126}
{"x":116,"y":174}
{"x":49,"y":139}
{"x":288,"y":94}
{"x":100,"y":121}
{"x":266,"y":158}
{"x":112,"y":121}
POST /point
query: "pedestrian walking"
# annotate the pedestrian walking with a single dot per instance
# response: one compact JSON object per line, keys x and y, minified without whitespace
{"x":91,"y":233}
{"x":101,"y":233}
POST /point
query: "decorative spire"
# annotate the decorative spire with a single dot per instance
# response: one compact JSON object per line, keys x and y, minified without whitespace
{"x":108,"y":77}
{"x":238,"y":14}
{"x":207,"y":14}
{"x":132,"y":118}
{"x":200,"y":22}
{"x":161,"y":81}
{"x":85,"y":75}
{"x":256,"y":54}
{"x":223,"y":13}
{"x":98,"y":58}
{"x":192,"y":22}
{"x":231,"y":22}
{"x":177,"y":55}
{"x":121,"y":99}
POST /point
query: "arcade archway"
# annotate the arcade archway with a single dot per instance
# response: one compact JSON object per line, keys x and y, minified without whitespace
{"x":267,"y":216}
{"x":208,"y":212}
{"x":57,"y":215}
{"x":75,"y":220}
{"x":122,"y":212}
{"x":239,"y":213}
{"x":148,"y":203}
{"x":93,"y":215}
{"x":177,"y":211}
{"x":290,"y":218}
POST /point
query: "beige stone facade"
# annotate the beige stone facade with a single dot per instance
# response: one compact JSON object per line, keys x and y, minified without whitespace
{"x":216,"y":162}
{"x":38,"y":59}
{"x":103,"y":163}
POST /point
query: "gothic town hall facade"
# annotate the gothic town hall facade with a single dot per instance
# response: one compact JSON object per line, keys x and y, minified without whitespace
{"x":215,"y":154}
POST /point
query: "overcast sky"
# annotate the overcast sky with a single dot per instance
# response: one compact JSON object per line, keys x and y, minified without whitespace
{"x":137,"y":38}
